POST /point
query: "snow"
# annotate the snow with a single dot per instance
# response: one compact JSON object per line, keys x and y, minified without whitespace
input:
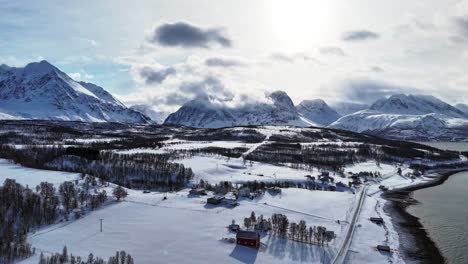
{"x":317,"y":111}
{"x":42,"y":91}
{"x":185,"y":230}
{"x":204,"y":112}
{"x":214,"y":169}
{"x":33,"y":177}
{"x":408,"y":116}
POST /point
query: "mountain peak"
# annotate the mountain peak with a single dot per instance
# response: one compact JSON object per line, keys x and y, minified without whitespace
{"x":415,"y":105}
{"x":317,"y":111}
{"x":39,"y":68}
{"x":42,"y":91}
{"x":281,"y":99}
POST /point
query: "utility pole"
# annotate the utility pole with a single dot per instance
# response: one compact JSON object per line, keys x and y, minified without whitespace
{"x":101,"y":224}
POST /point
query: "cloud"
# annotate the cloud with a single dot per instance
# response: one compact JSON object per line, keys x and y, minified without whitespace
{"x":376,"y":69}
{"x":152,"y":76}
{"x":332,"y":51}
{"x":210,"y":87}
{"x":182,"y":34}
{"x":462,"y":25}
{"x":291,"y":58}
{"x":369,"y":91}
{"x":223,"y":62}
{"x":359,"y":35}
{"x":81,"y":76}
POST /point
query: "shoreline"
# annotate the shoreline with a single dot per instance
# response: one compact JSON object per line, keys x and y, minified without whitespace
{"x":415,"y":244}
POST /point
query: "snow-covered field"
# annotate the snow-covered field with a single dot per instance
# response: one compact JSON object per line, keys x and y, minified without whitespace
{"x":32,"y":177}
{"x":183,"y":229}
{"x":186,"y":230}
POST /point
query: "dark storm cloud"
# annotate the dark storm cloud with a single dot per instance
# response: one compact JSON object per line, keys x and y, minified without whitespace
{"x":359,"y":35}
{"x":182,"y":34}
{"x":152,"y":76}
{"x":222,"y":62}
{"x":369,"y":91}
{"x":332,"y":51}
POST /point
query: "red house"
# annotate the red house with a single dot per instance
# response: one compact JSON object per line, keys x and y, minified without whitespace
{"x":248,"y":238}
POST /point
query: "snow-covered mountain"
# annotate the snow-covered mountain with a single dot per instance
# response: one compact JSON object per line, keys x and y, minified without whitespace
{"x":462,"y":107}
{"x":203,"y":112}
{"x":149,"y":111}
{"x":411,"y":117}
{"x":42,"y":91}
{"x":317,"y":111}
{"x":346,"y":108}
{"x":416,"y":105}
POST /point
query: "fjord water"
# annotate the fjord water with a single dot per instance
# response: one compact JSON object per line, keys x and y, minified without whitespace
{"x":443,"y":211}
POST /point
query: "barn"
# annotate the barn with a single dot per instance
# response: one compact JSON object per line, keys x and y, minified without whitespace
{"x":248,"y":238}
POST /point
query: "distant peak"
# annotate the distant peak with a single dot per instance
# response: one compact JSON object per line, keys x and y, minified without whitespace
{"x":314,"y":102}
{"x":281,"y":98}
{"x":40,"y":68}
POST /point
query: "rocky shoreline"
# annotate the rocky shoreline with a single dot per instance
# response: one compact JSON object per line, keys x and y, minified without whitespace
{"x":415,"y":243}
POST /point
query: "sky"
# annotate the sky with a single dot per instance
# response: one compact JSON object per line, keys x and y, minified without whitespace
{"x":166,"y":52}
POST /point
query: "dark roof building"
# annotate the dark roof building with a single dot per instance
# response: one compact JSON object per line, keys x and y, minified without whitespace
{"x":248,"y":238}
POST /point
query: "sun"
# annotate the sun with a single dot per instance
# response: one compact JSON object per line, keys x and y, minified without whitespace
{"x":297,"y":23}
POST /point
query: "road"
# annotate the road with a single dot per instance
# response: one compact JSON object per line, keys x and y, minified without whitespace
{"x":341,"y":255}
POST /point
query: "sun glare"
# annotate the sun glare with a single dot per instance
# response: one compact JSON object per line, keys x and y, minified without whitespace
{"x":297,"y":23}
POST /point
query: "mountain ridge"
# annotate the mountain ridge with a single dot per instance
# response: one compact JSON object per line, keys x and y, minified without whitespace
{"x":41,"y":91}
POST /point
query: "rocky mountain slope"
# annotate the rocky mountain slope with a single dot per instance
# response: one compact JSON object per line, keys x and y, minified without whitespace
{"x":42,"y":91}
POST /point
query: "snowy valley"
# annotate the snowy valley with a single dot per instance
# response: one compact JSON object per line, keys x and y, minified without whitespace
{"x":186,"y":186}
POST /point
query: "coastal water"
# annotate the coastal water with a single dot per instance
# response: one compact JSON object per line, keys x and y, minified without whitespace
{"x":443,"y":211}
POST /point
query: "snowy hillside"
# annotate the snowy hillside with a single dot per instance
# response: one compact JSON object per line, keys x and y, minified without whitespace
{"x":462,"y":107}
{"x":203,"y":112}
{"x":346,"y":108}
{"x":317,"y":111}
{"x":42,"y":91}
{"x":416,"y":105}
{"x":148,"y":111}
{"x":412,"y":117}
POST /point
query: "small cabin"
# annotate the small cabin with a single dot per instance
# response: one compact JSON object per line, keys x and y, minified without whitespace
{"x":383,"y":248}
{"x":248,"y":238}
{"x":198,"y":191}
{"x":215,"y":200}
{"x":234,"y":227}
{"x":377,"y":220}
{"x":325,"y":174}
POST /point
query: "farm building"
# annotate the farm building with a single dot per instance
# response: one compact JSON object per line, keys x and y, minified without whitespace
{"x":198,"y":191}
{"x":248,"y":238}
{"x":215,"y":200}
